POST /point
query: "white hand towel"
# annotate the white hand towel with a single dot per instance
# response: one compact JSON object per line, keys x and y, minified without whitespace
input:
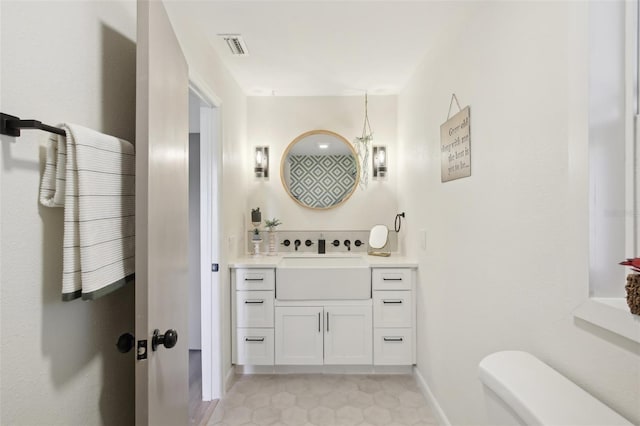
{"x":92,"y":175}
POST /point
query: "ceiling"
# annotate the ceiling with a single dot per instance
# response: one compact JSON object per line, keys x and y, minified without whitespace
{"x":324,"y":48}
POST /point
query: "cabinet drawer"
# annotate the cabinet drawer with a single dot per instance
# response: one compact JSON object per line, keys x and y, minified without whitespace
{"x":255,"y":279}
{"x":254,"y":308}
{"x":392,"y":346}
{"x":391,"y":279}
{"x":392,"y":308}
{"x":254,"y":346}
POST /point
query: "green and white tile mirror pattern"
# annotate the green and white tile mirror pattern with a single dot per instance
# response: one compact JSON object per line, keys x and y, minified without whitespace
{"x":319,"y":169}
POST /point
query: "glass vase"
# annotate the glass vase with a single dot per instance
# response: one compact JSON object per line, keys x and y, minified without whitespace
{"x":272,"y":239}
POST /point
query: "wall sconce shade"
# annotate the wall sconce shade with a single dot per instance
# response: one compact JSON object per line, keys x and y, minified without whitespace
{"x":261,"y":167}
{"x":379,"y":161}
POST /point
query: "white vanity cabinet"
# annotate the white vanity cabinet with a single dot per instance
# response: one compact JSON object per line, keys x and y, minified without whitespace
{"x":394,"y":316}
{"x":276,"y":333}
{"x":253,"y":304}
{"x":329,"y":335}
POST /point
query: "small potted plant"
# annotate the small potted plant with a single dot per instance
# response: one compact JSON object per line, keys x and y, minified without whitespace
{"x":633,"y":285}
{"x":256,"y":240}
{"x":271,"y":225}
{"x":256,"y":220}
{"x":256,"y":216}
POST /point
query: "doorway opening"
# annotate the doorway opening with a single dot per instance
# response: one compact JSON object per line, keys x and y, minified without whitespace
{"x":205,"y":365}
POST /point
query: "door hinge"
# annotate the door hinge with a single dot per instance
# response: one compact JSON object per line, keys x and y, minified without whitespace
{"x":215,"y":267}
{"x":141,"y":352}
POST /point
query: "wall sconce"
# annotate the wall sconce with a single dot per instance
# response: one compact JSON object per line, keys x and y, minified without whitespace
{"x":379,"y":161}
{"x":261,"y":167}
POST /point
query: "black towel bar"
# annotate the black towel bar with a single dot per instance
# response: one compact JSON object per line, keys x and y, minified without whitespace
{"x":11,"y":125}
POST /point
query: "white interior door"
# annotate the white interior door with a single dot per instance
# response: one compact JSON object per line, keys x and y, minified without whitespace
{"x":162,"y":188}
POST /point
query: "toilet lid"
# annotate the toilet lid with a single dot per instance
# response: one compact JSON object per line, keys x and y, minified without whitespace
{"x":540,"y":395}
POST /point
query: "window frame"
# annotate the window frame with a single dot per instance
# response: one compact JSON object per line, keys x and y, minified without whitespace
{"x":612,"y":313}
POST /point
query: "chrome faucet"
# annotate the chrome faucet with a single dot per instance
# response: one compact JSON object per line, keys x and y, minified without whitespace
{"x":296,"y":243}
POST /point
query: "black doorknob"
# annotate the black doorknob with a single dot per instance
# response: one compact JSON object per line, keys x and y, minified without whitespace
{"x":125,"y":342}
{"x":168,"y":339}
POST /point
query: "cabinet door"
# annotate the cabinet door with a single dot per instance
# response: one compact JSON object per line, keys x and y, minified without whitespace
{"x":348,"y":335}
{"x":298,"y":335}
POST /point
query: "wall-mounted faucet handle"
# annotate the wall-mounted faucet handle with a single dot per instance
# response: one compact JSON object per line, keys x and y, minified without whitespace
{"x":286,"y":243}
{"x":335,"y":243}
{"x":358,"y":243}
{"x":347,"y":244}
{"x":297,"y":243}
{"x":308,"y":243}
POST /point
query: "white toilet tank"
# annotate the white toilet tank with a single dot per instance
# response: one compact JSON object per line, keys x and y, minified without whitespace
{"x":522,"y":390}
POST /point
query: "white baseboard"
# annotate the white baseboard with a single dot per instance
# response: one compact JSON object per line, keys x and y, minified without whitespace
{"x":323,"y":369}
{"x":431,"y":399}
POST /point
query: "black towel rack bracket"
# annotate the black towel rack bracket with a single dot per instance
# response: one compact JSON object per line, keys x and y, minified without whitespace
{"x":11,"y":125}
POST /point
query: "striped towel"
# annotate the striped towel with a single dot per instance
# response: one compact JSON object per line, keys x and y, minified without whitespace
{"x":92,"y":176}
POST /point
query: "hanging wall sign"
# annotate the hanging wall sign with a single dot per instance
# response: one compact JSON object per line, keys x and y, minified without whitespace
{"x":455,"y":145}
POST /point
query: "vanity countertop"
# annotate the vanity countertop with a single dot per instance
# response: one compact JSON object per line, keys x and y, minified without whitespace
{"x":264,"y":261}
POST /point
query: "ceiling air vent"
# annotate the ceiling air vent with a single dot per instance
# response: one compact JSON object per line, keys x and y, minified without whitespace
{"x":236,"y":44}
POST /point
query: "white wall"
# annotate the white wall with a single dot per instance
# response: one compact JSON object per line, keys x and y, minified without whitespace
{"x":208,"y":72}
{"x":276,"y":121}
{"x":507,"y":248}
{"x":60,"y":62}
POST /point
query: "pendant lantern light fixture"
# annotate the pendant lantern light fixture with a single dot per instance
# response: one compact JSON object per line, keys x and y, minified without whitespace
{"x":362,"y":145}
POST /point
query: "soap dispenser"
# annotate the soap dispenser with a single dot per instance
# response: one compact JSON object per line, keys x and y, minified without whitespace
{"x":321,"y":245}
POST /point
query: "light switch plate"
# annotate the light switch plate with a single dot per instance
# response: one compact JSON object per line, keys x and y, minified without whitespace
{"x":423,"y":239}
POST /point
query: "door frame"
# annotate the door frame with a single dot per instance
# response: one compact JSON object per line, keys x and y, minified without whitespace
{"x":210,"y":226}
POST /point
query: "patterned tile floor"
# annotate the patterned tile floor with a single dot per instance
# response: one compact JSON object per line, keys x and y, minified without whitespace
{"x":319,"y":399}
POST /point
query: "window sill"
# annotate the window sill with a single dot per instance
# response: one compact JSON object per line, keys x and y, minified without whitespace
{"x":610,"y":313}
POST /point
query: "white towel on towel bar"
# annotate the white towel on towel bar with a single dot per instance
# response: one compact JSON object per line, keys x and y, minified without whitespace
{"x":92,"y":175}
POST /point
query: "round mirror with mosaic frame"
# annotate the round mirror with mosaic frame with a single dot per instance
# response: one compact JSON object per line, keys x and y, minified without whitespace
{"x":320,"y":170}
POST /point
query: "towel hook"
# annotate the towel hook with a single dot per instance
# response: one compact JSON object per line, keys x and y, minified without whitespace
{"x":398,"y":222}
